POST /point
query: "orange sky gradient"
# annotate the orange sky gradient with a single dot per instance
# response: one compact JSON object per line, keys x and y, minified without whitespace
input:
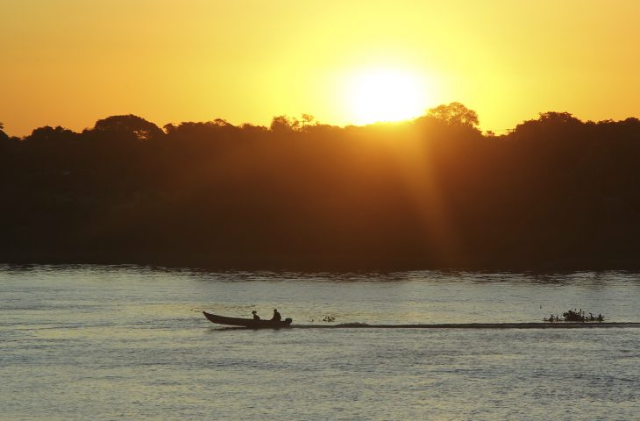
{"x":72,"y":62}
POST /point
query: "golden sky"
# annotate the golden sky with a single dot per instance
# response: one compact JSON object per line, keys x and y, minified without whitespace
{"x":72,"y":62}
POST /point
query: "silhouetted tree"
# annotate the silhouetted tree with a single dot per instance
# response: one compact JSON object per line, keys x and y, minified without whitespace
{"x":455,"y":114}
{"x":129,"y":127}
{"x":307,"y":119}
{"x":550,"y":120}
{"x":50,"y":135}
{"x":3,"y":135}
{"x":554,"y":193}
{"x":282,"y":123}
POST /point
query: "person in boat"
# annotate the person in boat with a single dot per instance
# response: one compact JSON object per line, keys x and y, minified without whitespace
{"x":255,"y":315}
{"x":276,"y":316}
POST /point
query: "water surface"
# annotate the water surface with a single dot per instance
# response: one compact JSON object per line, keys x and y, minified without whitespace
{"x":131,"y":343}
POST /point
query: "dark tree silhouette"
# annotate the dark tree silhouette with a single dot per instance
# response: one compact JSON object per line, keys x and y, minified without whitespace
{"x":283,"y":123}
{"x":3,"y":136}
{"x":555,"y":193}
{"x":48,"y":135}
{"x":128,"y":126}
{"x":455,"y":114}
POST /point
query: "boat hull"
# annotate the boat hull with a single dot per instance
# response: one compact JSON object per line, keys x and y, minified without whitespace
{"x":250,"y":323}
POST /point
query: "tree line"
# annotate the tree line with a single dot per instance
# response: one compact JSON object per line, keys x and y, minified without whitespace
{"x":435,"y":192}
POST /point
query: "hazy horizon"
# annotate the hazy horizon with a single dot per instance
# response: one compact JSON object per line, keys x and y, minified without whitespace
{"x":313,"y":121}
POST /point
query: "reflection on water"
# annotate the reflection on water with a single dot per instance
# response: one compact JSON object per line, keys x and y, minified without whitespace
{"x":130,"y":342}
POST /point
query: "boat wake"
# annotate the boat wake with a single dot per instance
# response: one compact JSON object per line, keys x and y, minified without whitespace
{"x":537,"y":325}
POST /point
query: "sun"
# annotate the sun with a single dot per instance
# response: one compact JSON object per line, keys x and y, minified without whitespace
{"x":385,"y":95}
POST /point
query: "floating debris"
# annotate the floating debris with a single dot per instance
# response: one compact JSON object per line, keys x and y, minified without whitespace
{"x":575,"y":316}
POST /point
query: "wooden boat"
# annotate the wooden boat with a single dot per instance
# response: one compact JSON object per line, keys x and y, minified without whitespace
{"x":250,"y":323}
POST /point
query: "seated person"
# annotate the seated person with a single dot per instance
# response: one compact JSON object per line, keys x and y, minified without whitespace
{"x":276,"y":316}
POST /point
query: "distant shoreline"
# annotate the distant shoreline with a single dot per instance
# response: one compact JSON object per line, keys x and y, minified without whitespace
{"x":537,"y":325}
{"x":309,"y":264}
{"x":554,"y":194}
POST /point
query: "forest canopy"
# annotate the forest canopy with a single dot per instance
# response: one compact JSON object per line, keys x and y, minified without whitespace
{"x":435,"y":192}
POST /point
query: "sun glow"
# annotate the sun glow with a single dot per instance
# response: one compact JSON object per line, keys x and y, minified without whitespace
{"x":386,"y":96}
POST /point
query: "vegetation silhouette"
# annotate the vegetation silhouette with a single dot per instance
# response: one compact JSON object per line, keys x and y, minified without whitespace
{"x":575,"y":316}
{"x":554,"y":193}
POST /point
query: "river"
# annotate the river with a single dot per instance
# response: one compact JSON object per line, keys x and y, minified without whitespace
{"x":129,"y":342}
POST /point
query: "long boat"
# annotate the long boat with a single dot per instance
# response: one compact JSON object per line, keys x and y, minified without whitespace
{"x":250,"y":323}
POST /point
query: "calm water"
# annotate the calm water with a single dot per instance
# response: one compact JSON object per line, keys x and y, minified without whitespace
{"x":106,"y":343}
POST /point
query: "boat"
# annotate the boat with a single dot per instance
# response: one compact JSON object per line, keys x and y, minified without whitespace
{"x":250,"y":323}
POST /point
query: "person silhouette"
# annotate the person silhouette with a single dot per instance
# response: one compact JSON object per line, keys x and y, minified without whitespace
{"x":276,"y":316}
{"x":255,"y":315}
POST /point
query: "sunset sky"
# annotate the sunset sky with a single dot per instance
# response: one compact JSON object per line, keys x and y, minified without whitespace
{"x":72,"y":62}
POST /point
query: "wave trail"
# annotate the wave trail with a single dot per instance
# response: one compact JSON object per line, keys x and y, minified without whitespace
{"x":537,"y":325}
